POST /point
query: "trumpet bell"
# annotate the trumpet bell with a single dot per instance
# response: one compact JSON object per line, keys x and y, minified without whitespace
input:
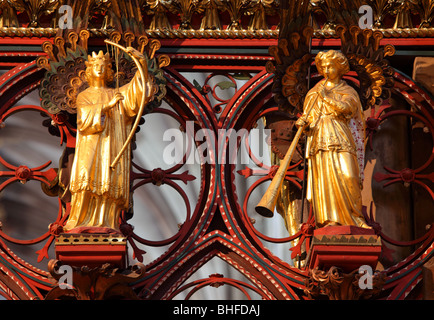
{"x":268,"y":202}
{"x":264,"y":211}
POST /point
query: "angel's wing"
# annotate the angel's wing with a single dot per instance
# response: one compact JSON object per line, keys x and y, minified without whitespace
{"x":367,"y":59}
{"x":292,"y":56}
{"x":65,"y":76}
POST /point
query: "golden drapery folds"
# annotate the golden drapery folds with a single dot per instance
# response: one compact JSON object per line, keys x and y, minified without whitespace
{"x":335,"y":148}
{"x":100,"y":193}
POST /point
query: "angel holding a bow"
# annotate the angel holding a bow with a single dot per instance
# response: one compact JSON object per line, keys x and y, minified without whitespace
{"x":100,"y":191}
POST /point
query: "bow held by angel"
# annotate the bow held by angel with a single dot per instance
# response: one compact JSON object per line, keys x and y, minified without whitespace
{"x":134,"y":52}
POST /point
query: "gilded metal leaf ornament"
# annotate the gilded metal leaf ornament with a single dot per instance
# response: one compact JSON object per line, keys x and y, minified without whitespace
{"x":35,"y":8}
{"x":258,"y":10}
{"x":185,"y":9}
{"x":8,"y":17}
{"x":158,"y":10}
{"x":210,"y":10}
{"x":403,"y":11}
{"x":217,"y":18}
{"x":236,"y":9}
{"x":425,"y":9}
{"x":381,"y":8}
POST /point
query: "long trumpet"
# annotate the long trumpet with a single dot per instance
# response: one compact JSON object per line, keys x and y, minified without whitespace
{"x":268,"y":202}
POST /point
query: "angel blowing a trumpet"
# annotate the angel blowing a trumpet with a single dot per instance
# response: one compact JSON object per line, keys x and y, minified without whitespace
{"x":335,"y":145}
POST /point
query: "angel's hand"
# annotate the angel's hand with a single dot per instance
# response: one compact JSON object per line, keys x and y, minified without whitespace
{"x":301,"y":122}
{"x":114,"y":101}
{"x":322,"y":92}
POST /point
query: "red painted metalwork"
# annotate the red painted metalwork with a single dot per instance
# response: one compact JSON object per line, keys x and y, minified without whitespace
{"x":407,"y":41}
{"x":218,"y":224}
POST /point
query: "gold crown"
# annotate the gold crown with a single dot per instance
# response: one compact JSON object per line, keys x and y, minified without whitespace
{"x":99,"y":56}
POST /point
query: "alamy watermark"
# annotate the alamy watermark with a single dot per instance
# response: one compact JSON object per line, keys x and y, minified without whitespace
{"x":365,"y":280}
{"x":65,"y":20}
{"x":226,"y":147}
{"x":65,"y":281}
{"x":367,"y":18}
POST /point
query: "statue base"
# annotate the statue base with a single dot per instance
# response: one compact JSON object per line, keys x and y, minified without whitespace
{"x":105,"y":282}
{"x":345,"y":247}
{"x":91,"y":249}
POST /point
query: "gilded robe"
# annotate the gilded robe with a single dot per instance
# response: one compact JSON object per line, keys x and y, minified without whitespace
{"x":98,"y":192}
{"x":335,"y":152}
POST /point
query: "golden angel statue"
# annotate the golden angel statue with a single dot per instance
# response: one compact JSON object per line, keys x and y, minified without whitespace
{"x":334,"y":124}
{"x":104,"y":120}
{"x":333,"y":120}
{"x":93,"y":178}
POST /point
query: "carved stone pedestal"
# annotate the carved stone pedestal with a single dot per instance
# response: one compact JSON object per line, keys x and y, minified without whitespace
{"x":337,"y":285}
{"x":92,"y":266}
{"x":90,"y":249}
{"x":334,"y":262}
{"x":105,"y":282}
{"x":345,"y":247}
